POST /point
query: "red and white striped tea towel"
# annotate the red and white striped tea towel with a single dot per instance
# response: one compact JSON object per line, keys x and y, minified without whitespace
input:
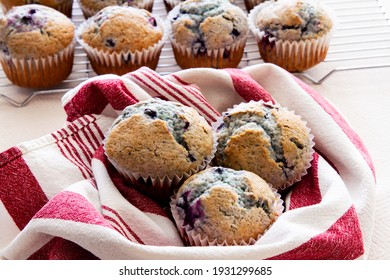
{"x":61,"y":199}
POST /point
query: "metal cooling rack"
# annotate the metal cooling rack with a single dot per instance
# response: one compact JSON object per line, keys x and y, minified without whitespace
{"x":361,"y":41}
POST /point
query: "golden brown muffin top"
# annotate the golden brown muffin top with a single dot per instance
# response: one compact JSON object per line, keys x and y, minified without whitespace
{"x":294,"y":19}
{"x":160,"y":138}
{"x":265,"y":139}
{"x":118,"y":28}
{"x":227,"y":205}
{"x":208,"y":24}
{"x":33,"y":30}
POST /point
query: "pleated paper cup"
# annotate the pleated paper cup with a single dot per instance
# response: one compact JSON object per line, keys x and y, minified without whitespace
{"x":123,"y":62}
{"x":299,"y":173}
{"x":191,"y":237}
{"x":41,"y":72}
{"x":293,"y":56}
{"x":228,"y":57}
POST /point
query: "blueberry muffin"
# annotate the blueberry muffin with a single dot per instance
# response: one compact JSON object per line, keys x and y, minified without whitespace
{"x":121,"y":39}
{"x":265,"y":139}
{"x":63,"y":6}
{"x":208,"y":33}
{"x":294,"y":34}
{"x":222,"y":206}
{"x":37,"y":46}
{"x":91,"y":7}
{"x":159,"y":140}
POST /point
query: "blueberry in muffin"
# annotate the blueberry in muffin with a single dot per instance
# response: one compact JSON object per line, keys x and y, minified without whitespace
{"x":222,"y":206}
{"x":121,"y":39}
{"x":294,"y":34}
{"x":160,"y":139}
{"x":37,"y":46}
{"x":208,"y":33}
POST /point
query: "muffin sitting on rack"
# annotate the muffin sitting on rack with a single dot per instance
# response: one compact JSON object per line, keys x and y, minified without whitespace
{"x":294,"y":34}
{"x":208,"y":33}
{"x":37,"y":46}
{"x":121,"y":39}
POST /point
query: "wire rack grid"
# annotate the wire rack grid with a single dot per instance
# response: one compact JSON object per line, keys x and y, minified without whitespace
{"x":361,"y":41}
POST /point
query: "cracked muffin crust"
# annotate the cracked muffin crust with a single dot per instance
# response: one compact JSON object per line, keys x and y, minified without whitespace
{"x":160,"y":143}
{"x":160,"y":138}
{"x":265,"y":139}
{"x":222,"y":206}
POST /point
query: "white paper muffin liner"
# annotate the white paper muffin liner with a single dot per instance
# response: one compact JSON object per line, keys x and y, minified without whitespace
{"x":191,"y":238}
{"x":160,"y":188}
{"x":66,"y":8}
{"x":87,"y":12}
{"x":115,"y":60}
{"x":307,"y":161}
{"x":216,"y":58}
{"x":189,"y":57}
{"x":293,"y":56}
{"x":39,"y":72}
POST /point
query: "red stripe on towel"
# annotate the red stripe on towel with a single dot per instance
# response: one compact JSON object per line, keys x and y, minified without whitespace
{"x":116,"y":226}
{"x":81,"y":143}
{"x":96,"y":131}
{"x":89,"y":135}
{"x":61,"y":249}
{"x":168,"y":89}
{"x":194,"y":89}
{"x":123,"y":223}
{"x":94,"y":96}
{"x":71,"y":206}
{"x":66,"y":151}
{"x":307,"y":191}
{"x":21,"y":195}
{"x":343,"y":240}
{"x":339,"y":119}
{"x":247,"y":87}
